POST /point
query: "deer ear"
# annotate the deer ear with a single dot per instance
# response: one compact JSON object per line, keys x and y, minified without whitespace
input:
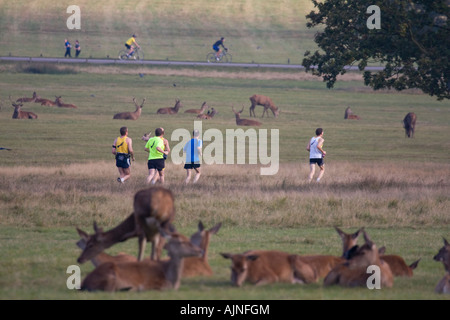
{"x":216,"y":228}
{"x":350,"y":253}
{"x":226,"y":255}
{"x":252,"y":257}
{"x":82,"y":234}
{"x":201,"y":227}
{"x":445,"y":242}
{"x":97,"y":229}
{"x":382,"y":250}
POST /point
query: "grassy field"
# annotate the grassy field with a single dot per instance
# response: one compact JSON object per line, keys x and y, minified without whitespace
{"x":60,"y":173}
{"x":262,"y":32}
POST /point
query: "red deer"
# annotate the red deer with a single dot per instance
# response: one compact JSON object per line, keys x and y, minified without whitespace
{"x":199,"y":266}
{"x":397,"y":264}
{"x":264,"y":101}
{"x":144,"y":275}
{"x":349,"y":114}
{"x":348,"y":239}
{"x":321,"y":264}
{"x":265,"y":267}
{"x":198,"y":111}
{"x":172,"y":110}
{"x":102,"y":257}
{"x":353,"y":273}
{"x":47,"y":102}
{"x":19,"y":114}
{"x":24,"y":99}
{"x":409,"y":123}
{"x":244,"y":122}
{"x":60,"y":103}
{"x":444,"y":256}
{"x":131,"y":115}
{"x":211,"y":113}
{"x":152,"y":207}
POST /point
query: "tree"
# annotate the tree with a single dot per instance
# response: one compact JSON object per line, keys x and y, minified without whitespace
{"x":413,"y":43}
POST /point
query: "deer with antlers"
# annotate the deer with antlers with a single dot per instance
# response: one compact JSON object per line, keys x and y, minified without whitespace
{"x":19,"y":114}
{"x":61,"y":104}
{"x":244,"y":122}
{"x":131,"y":115}
{"x":173,"y":110}
{"x":25,"y":99}
{"x":152,"y":207}
{"x":198,"y":111}
{"x":146,"y":275}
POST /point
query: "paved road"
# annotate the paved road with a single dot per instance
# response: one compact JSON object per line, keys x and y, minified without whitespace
{"x":167,"y":63}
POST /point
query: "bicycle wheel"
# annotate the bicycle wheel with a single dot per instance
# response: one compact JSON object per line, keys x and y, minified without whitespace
{"x":139,"y":55}
{"x":123,"y":55}
{"x":226,"y":58}
{"x":211,"y":57}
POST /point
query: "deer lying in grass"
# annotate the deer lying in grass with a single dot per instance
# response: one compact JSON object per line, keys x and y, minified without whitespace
{"x":266,"y":102}
{"x":353,"y":272}
{"x":24,"y":99}
{"x":244,"y":122}
{"x":265,"y":267}
{"x":397,"y":264}
{"x":444,"y":256}
{"x":131,"y":115}
{"x":198,"y":111}
{"x":321,"y":264}
{"x":19,"y":114}
{"x":46,"y":102}
{"x":350,"y":115}
{"x":199,"y":266}
{"x":153,"y":207}
{"x":173,"y":110}
{"x":349,"y":240}
{"x":145,"y":275}
{"x":211,"y":113}
{"x":61,"y":104}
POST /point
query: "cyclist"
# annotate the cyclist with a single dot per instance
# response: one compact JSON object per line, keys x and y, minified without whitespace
{"x":129,"y":45}
{"x":216,"y":47}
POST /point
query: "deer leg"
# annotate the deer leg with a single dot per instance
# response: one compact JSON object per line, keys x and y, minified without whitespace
{"x":142,"y":242}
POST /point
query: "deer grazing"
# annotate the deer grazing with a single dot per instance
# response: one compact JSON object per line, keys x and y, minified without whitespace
{"x":265,"y":267}
{"x":19,"y":114}
{"x":153,"y":207}
{"x":131,"y":115}
{"x":173,"y":110}
{"x":198,"y":111}
{"x":61,"y":104}
{"x":353,"y":273}
{"x":350,"y":115}
{"x":409,"y":123}
{"x":244,"y":122}
{"x":264,"y":101}
{"x":102,"y":257}
{"x":145,"y":275}
{"x":211,"y":113}
{"x":444,"y":256}
{"x":24,"y":99}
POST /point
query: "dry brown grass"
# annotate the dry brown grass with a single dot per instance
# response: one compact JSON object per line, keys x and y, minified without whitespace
{"x":371,"y":194}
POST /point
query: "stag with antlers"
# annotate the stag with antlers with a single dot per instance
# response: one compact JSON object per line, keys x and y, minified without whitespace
{"x":131,"y":115}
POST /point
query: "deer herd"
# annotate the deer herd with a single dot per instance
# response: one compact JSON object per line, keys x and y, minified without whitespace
{"x":409,"y":121}
{"x":152,"y":220}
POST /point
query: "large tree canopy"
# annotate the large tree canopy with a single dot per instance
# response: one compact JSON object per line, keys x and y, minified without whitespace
{"x":412,"y":43}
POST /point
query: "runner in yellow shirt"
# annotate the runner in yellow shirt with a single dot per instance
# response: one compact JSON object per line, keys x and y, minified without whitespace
{"x":156,"y":150}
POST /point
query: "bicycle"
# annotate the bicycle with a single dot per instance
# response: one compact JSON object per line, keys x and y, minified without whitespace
{"x":135,"y":55}
{"x":224,"y":56}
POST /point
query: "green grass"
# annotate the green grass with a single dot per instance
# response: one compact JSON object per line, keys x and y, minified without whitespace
{"x":263,"y":32}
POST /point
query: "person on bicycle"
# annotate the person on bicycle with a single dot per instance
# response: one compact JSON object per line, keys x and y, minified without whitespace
{"x":129,"y":45}
{"x":216,"y":47}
